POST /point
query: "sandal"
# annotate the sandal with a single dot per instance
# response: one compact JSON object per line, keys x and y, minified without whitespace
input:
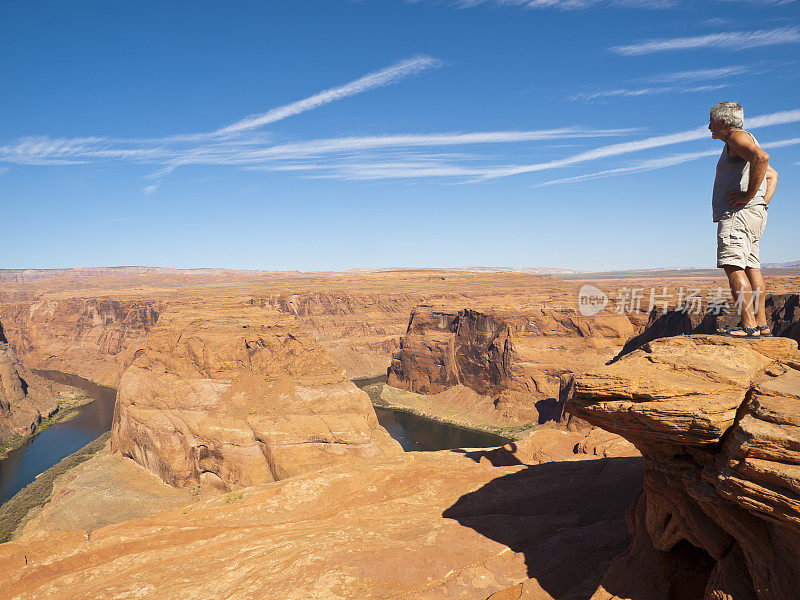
{"x":750,"y":332}
{"x":728,"y":329}
{"x":765,"y":331}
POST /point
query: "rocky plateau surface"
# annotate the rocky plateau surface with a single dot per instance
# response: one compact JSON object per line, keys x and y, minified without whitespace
{"x":448,"y":525}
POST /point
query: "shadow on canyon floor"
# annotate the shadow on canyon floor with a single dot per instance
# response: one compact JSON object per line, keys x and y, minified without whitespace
{"x":567,"y":518}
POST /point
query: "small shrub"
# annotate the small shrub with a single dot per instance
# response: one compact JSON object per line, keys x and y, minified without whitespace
{"x":233,"y":497}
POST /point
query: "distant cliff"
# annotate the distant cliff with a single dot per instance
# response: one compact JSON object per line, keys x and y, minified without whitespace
{"x":515,"y":358}
{"x":95,"y":338}
{"x":25,"y":399}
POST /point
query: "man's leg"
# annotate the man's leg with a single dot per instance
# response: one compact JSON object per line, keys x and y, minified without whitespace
{"x":759,"y":295}
{"x":742,"y":294}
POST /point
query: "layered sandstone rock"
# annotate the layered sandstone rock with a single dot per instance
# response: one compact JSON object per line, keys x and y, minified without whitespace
{"x":517,"y":358}
{"x":783,"y":315}
{"x":25,"y":398}
{"x":359,"y":329}
{"x":95,"y":338}
{"x":422,"y":526}
{"x":231,"y":395}
{"x":718,"y":423}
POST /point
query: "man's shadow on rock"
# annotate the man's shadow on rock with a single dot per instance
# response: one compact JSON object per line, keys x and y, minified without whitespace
{"x":567,"y":518}
{"x":504,"y":456}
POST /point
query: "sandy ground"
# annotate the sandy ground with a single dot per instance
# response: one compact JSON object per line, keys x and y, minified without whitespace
{"x":104,"y":490}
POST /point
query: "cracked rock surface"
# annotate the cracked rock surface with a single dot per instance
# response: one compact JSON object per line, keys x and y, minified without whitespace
{"x":717,"y":421}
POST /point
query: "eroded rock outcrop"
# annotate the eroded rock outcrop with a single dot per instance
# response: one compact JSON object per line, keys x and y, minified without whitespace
{"x":718,"y":423}
{"x":25,"y":398}
{"x":515,"y":358}
{"x":231,"y":395}
{"x":95,"y":338}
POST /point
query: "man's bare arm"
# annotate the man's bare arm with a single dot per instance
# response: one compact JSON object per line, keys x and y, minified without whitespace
{"x":745,"y":147}
{"x":772,"y":183}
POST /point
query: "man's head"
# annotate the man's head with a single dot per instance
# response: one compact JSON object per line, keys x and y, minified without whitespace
{"x":724,"y":118}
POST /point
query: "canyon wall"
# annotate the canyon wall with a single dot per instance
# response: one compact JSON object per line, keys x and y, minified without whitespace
{"x":515,"y":358}
{"x":718,"y":424}
{"x":95,"y":338}
{"x":229,"y":395}
{"x":360,"y":330}
{"x":24,"y":397}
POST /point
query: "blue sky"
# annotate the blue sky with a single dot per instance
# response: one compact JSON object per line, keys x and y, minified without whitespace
{"x":384,"y":133}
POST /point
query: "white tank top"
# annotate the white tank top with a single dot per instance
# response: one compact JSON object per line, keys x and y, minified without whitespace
{"x":733,"y":174}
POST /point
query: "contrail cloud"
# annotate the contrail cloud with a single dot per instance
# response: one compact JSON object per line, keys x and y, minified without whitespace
{"x":377,"y":79}
{"x":659,"y":163}
{"x":778,"y":118}
{"x":734,"y":40}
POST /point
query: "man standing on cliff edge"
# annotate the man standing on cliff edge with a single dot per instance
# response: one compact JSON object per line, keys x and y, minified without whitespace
{"x":743,"y":187}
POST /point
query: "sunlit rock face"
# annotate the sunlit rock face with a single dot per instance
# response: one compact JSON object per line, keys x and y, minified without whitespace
{"x":718,"y":423}
{"x":95,"y":338}
{"x":25,"y":398}
{"x":231,"y":395}
{"x":514,"y":357}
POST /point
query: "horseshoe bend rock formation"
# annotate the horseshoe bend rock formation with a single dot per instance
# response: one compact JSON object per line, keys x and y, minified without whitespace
{"x":232,"y":395}
{"x":516,"y":358}
{"x":717,"y":421}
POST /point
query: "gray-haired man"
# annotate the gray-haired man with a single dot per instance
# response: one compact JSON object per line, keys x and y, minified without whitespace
{"x":743,"y":187}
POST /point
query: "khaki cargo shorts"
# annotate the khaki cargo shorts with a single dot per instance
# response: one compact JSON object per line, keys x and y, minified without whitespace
{"x":738,"y":234}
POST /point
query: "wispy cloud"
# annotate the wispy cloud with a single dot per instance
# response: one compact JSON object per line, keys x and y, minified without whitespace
{"x":733,"y":40}
{"x":676,"y":82}
{"x":350,"y":144}
{"x":646,"y":165}
{"x":370,"y":81}
{"x":773,"y":2}
{"x":671,"y":89}
{"x":567,"y":4}
{"x":778,"y":118}
{"x":782,"y":143}
{"x":253,"y":149}
{"x":697,"y":74}
{"x":657,"y":163}
{"x":396,"y":156}
{"x":373,"y":168}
